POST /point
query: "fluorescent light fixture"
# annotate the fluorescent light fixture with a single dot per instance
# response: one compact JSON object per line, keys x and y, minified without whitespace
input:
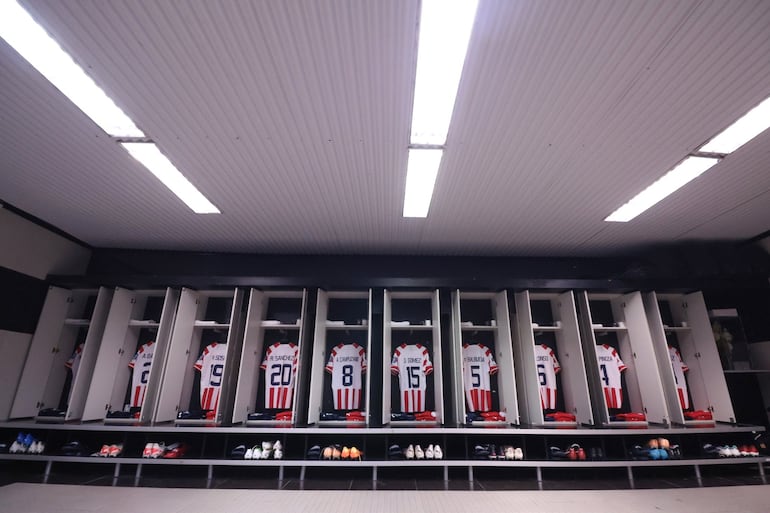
{"x":445,"y":30}
{"x":33,"y":43}
{"x":756,"y":121}
{"x":420,"y":178}
{"x":690,"y":169}
{"x":150,"y":157}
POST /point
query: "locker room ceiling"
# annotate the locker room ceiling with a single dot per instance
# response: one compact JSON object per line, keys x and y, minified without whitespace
{"x":293,"y":118}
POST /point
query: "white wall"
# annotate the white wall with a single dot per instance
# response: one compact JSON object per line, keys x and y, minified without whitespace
{"x":35,"y":251}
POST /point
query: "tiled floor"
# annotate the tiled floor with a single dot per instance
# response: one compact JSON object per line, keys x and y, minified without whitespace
{"x":50,"y":498}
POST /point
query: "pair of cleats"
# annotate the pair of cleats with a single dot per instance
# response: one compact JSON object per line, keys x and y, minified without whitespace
{"x":573,"y":453}
{"x":415,"y":452}
{"x":730,"y":451}
{"x":265,"y":451}
{"x":154,"y":450}
{"x":334,"y":452}
{"x":503,"y":452}
{"x":284,"y":416}
{"x":109,"y":451}
{"x":26,"y":444}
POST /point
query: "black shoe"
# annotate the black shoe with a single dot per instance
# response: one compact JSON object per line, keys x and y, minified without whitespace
{"x":75,"y":449}
{"x":261,"y":416}
{"x":401,"y":416}
{"x":710,"y":451}
{"x":674,"y":452}
{"x":395,"y":452}
{"x":637,"y":452}
{"x":119,"y":415}
{"x":472,"y":417}
{"x":51,"y":412}
{"x":238,"y":452}
{"x":555,"y":453}
{"x":191,"y":414}
{"x":481,"y":452}
{"x":314,"y":453}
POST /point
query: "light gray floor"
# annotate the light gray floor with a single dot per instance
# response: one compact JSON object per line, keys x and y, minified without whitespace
{"x":40,"y":498}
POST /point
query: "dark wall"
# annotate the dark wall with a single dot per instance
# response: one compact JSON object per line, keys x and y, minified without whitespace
{"x":21,"y":299}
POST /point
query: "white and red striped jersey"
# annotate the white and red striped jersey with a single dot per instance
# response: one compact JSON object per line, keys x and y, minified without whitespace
{"x":478,"y":365}
{"x":411,"y":363}
{"x":73,"y":363}
{"x":679,"y":368}
{"x":211,"y":365}
{"x":610,"y":367}
{"x":346,"y":364}
{"x":141,"y":363}
{"x":280,"y":366}
{"x":547,"y":368}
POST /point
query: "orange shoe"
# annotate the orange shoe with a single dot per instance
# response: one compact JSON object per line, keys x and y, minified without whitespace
{"x":345,"y":453}
{"x":355,"y":454}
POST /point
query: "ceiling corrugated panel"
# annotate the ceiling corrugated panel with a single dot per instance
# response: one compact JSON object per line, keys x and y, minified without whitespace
{"x":293,"y":118}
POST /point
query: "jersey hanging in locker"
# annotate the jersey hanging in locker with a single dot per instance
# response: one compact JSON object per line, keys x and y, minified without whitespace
{"x":478,"y":365}
{"x":346,"y":364}
{"x":280,"y":366}
{"x":412,"y":365}
{"x":211,"y":365}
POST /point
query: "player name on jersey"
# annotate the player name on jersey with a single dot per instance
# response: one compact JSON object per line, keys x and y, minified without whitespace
{"x":346,"y":364}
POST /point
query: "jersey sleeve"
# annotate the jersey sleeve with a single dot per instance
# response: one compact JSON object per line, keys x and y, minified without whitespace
{"x":199,"y":364}
{"x":394,"y":362}
{"x":491,"y":361}
{"x":555,"y":362}
{"x":330,"y":363}
{"x":427,"y":366}
{"x":69,"y":363}
{"x":619,"y":362}
{"x":362,"y":354}
{"x":267,"y":355}
{"x":133,"y":359}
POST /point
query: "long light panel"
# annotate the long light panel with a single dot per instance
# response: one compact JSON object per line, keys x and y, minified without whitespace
{"x":33,"y":43}
{"x":750,"y":125}
{"x":688,"y":170}
{"x":150,"y":157}
{"x":753,"y":123}
{"x":445,"y":30}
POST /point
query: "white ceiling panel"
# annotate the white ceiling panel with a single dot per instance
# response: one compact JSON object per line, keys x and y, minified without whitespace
{"x":293,"y":118}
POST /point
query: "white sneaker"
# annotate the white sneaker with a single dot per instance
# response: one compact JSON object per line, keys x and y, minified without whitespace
{"x":249,"y":453}
{"x":40,"y":448}
{"x":257,"y":454}
{"x":266,"y":453}
{"x":277,"y":453}
{"x":267,"y":446}
{"x":509,"y":453}
{"x":429,"y":452}
{"x":15,"y":447}
{"x":277,"y":446}
{"x":437,"y":454}
{"x":147,"y":450}
{"x":518,"y":454}
{"x":734,"y":452}
{"x":724,"y":451}
{"x":419,"y":453}
{"x":410,"y":452}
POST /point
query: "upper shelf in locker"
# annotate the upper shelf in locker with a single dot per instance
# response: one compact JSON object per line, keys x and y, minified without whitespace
{"x":270,"y":324}
{"x":139,"y":323}
{"x":407,"y":326}
{"x":340,"y":325}
{"x":541,"y":327}
{"x":672,"y":329}
{"x":471,"y":326}
{"x":618,"y":326}
{"x":77,"y":322}
{"x":211,"y":324}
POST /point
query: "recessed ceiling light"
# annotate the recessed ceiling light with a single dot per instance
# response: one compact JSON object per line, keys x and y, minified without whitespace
{"x":688,"y":170}
{"x":445,"y":30}
{"x":33,"y":43}
{"x":753,"y":123}
{"x":150,"y":157}
{"x":420,"y":179}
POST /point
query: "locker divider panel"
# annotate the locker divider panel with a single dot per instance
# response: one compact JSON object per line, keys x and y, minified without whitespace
{"x":42,"y":351}
{"x":82,"y":381}
{"x":527,"y":378}
{"x":707,"y":358}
